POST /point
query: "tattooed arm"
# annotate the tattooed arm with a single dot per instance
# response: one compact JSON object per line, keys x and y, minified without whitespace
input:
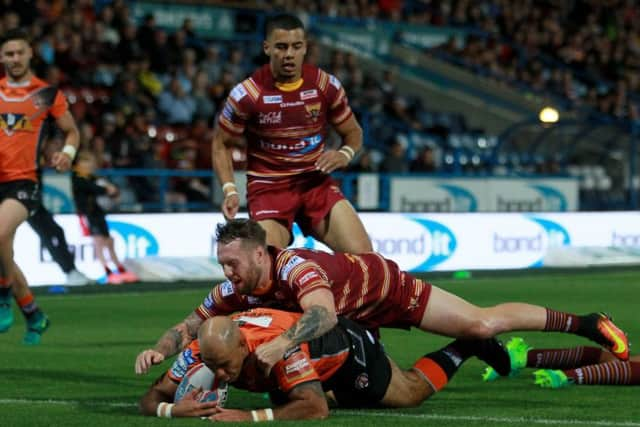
{"x":318,"y":318}
{"x":174,"y":340}
{"x":306,"y":402}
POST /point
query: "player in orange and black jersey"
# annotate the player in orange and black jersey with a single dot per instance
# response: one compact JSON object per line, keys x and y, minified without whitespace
{"x":285,"y":109}
{"x":25,"y":104}
{"x":347,"y":362}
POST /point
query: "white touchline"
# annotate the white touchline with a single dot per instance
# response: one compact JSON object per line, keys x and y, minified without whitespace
{"x":390,"y":413}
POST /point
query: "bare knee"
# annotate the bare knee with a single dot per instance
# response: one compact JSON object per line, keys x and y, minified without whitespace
{"x":482,"y":328}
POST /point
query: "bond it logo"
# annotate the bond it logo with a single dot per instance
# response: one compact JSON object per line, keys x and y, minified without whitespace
{"x":556,"y":235}
{"x":133,"y":241}
{"x":554,"y":200}
{"x":463,"y":200}
{"x":421,"y":247}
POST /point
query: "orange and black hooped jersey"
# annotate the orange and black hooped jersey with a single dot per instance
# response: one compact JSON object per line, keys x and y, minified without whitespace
{"x":317,"y":360}
{"x":23,"y":110}
{"x":285,"y":124}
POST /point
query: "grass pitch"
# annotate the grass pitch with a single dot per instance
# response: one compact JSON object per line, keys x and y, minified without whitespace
{"x":82,"y":373}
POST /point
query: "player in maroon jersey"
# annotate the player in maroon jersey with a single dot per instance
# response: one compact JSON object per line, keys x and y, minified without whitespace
{"x":284,"y":110}
{"x":366,"y":288}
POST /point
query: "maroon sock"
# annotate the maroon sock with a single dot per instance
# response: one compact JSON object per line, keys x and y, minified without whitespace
{"x":558,"y":321}
{"x":609,"y":373}
{"x":565,"y":358}
{"x":121,"y":268}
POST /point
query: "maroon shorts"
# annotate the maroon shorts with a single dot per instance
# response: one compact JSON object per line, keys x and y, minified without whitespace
{"x":306,"y":201}
{"x":403,"y":307}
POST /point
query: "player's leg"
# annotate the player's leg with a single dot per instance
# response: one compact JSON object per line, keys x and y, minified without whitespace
{"x":608,"y":373}
{"x":52,"y":237}
{"x":12,"y":214}
{"x":432,"y":372}
{"x":342,"y":230}
{"x":277,"y":234}
{"x":448,"y":314}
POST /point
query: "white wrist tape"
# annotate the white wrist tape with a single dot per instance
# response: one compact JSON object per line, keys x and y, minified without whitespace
{"x":347,"y":152}
{"x":164,"y":410}
{"x":70,"y":151}
{"x":269,"y":413}
{"x":228,"y":185}
{"x":230,"y":193}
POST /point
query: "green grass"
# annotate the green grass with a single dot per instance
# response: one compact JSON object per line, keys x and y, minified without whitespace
{"x":82,"y":373}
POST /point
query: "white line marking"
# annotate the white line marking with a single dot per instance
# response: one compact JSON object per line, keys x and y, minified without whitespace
{"x":390,"y":414}
{"x":506,"y":420}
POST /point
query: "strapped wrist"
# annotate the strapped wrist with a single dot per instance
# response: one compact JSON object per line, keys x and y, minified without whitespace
{"x":70,"y":151}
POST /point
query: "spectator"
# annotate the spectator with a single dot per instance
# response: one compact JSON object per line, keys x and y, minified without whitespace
{"x":177,"y":106}
{"x":395,"y":160}
{"x":424,"y":162}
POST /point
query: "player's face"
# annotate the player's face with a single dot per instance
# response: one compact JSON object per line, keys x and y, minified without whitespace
{"x":226,"y":363}
{"x":239,"y":262}
{"x":16,"y":57}
{"x":286,"y":50}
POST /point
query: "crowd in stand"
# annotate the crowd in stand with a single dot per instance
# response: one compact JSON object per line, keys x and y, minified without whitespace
{"x":147,"y":98}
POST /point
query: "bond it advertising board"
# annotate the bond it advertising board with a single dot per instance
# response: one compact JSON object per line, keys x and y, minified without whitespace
{"x":484,"y":194}
{"x":417,"y":242}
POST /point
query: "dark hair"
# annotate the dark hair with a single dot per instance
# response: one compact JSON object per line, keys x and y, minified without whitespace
{"x":15,"y":34}
{"x":244,"y":229}
{"x":282,"y":21}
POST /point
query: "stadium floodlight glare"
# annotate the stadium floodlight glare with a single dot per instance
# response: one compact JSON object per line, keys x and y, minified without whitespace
{"x":549,"y":115}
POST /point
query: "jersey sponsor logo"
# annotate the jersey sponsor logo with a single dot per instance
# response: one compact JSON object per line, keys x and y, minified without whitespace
{"x":12,"y":123}
{"x":182,"y":363}
{"x":362,"y":381}
{"x":303,"y":146}
{"x":334,"y":81}
{"x":309,"y":277}
{"x":291,"y":104}
{"x":295,"y":260}
{"x":308,"y":94}
{"x":296,"y":366}
{"x":226,"y":289}
{"x":270,"y":118}
{"x":238,"y":92}
{"x":313,"y":111}
{"x":261,"y":321}
{"x":253,"y":300}
{"x":208,"y":302}
{"x":287,"y":354}
{"x":227,"y":112}
{"x":272,"y":99}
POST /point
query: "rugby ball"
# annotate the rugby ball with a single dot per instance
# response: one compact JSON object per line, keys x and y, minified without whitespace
{"x":198,"y":377}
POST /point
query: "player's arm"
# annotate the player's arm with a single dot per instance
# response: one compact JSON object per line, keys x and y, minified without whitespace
{"x":62,"y":160}
{"x":318,"y":318}
{"x":158,"y":401}
{"x":306,"y":402}
{"x":172,"y":342}
{"x":222,"y":145}
{"x":351,"y":134}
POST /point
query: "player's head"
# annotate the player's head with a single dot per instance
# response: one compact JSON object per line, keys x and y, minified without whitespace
{"x":85,"y":162}
{"x":222,"y":347}
{"x":16,"y":54}
{"x":242,"y":253}
{"x":285,"y":44}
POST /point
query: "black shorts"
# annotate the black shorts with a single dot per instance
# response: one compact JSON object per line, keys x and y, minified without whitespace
{"x":365,"y":376}
{"x":94,"y":225}
{"x":25,"y":191}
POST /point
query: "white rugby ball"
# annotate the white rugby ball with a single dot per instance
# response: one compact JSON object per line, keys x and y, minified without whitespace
{"x":198,"y":377}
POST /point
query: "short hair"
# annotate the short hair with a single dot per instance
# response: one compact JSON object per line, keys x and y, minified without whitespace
{"x":244,"y":229}
{"x":282,"y":21}
{"x":15,"y":34}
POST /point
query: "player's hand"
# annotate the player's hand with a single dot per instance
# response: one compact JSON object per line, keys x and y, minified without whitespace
{"x":230,"y":206}
{"x":190,"y":406}
{"x":61,"y":161}
{"x":270,"y":353}
{"x":331,"y":160}
{"x":146,"y":359}
{"x":112,"y":190}
{"x":222,"y":414}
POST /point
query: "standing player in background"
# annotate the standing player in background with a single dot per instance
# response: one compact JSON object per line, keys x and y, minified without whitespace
{"x":52,"y":237}
{"x":25,"y":103}
{"x":86,"y":189}
{"x":284,"y":110}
